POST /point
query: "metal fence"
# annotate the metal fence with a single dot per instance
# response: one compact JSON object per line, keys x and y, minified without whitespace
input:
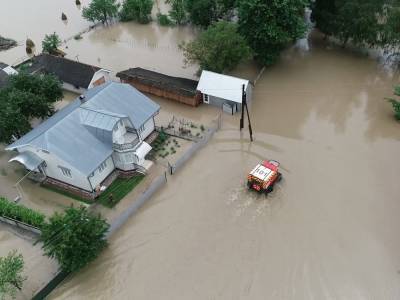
{"x":157,"y":183}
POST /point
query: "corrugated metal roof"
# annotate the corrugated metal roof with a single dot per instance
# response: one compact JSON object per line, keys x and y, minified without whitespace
{"x":81,"y":133}
{"x":222,"y":86}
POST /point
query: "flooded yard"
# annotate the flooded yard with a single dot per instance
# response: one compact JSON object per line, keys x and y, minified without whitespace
{"x":37,"y":268}
{"x":328,"y":231}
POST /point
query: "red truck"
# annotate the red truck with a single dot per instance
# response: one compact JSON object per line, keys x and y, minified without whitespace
{"x":264,"y":176}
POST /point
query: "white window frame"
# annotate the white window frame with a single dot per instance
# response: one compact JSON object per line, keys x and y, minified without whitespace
{"x":102,"y":166}
{"x":206,"y":99}
{"x":65,"y":171}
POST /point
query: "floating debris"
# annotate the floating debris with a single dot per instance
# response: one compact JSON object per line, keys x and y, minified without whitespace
{"x":63,"y":17}
{"x":77,"y":2}
{"x":6,"y":44}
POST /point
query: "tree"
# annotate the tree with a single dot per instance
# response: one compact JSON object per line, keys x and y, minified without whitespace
{"x":201,"y":12}
{"x":101,"y":10}
{"x":26,"y":97}
{"x":177,"y":12}
{"x":270,"y":27}
{"x":74,"y":238}
{"x":50,"y":43}
{"x":136,"y":10}
{"x":395,"y":103}
{"x":11,"y":278}
{"x":220,"y":48}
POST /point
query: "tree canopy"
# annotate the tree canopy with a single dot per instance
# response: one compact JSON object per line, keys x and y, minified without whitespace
{"x":219,"y":48}
{"x":11,"y":278}
{"x":177,"y":12}
{"x":26,"y":97}
{"x":372,"y":23}
{"x":50,"y":43}
{"x":270,"y":26}
{"x":74,"y":238}
{"x":136,"y":10}
{"x":101,"y":10}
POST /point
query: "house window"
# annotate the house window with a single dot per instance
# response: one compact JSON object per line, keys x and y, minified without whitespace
{"x":66,"y":172}
{"x":102,"y":167}
{"x":206,"y":99}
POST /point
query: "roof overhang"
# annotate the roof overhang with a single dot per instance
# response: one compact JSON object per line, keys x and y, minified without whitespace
{"x":30,"y":160}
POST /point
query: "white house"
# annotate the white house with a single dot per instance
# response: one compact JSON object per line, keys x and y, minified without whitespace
{"x":100,"y":131}
{"x":223,"y":91}
{"x":75,"y":76}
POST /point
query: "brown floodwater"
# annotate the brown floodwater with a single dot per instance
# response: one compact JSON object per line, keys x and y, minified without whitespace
{"x":37,"y":268}
{"x":330,"y":230}
{"x":20,"y":19}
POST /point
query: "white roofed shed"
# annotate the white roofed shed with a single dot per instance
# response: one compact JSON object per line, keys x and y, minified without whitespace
{"x":219,"y":89}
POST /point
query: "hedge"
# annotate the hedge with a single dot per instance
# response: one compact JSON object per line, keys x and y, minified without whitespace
{"x":21,"y":213}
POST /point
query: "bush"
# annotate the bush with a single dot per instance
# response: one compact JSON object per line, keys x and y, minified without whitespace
{"x":21,"y":213}
{"x":136,"y":10}
{"x":164,"y":20}
{"x":395,"y":103}
{"x":202,"y":128}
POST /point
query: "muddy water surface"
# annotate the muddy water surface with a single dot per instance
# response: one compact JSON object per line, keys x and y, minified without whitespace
{"x":328,"y":231}
{"x":20,"y":19}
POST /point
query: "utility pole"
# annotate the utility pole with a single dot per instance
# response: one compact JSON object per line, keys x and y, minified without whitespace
{"x":244,"y":105}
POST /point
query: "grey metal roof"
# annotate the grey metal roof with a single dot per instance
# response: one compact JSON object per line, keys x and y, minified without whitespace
{"x":29,"y":159}
{"x":81,"y":133}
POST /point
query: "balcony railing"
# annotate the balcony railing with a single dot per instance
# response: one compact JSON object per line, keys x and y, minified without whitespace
{"x":126,"y":146}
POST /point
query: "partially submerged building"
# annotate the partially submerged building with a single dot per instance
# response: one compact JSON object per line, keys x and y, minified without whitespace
{"x":179,"y":89}
{"x":99,"y":134}
{"x":5,"y":72}
{"x":75,"y":76}
{"x":223,"y":91}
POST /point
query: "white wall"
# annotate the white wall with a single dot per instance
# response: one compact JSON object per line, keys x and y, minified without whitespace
{"x":100,"y":73}
{"x":98,"y":176}
{"x":148,"y":129}
{"x":52,"y":170}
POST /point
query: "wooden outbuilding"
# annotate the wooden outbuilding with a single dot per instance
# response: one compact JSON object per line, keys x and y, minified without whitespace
{"x":179,"y":89}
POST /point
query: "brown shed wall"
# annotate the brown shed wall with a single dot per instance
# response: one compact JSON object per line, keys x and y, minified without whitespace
{"x":192,"y":101}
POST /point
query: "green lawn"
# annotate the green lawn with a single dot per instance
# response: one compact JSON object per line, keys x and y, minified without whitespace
{"x":119,"y":189}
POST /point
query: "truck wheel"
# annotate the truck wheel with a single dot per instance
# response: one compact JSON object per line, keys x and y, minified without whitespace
{"x":279,"y":177}
{"x":269,"y":189}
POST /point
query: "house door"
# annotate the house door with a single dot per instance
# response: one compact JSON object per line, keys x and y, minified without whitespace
{"x":206,"y":99}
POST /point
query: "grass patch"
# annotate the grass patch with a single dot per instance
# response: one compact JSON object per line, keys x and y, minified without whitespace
{"x":67,"y":194}
{"x":119,"y":189}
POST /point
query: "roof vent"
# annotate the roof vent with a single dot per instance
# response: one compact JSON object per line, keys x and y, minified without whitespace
{"x":82,"y":98}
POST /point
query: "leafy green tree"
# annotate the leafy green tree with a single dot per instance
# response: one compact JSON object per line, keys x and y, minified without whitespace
{"x":177,"y":12}
{"x":50,"y":43}
{"x":74,"y":238}
{"x":26,"y":97}
{"x":201,"y":12}
{"x":136,"y":10}
{"x":220,"y":48}
{"x":324,"y":15}
{"x":270,"y":26}
{"x":395,"y":103}
{"x":101,"y":10}
{"x":11,"y":278}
